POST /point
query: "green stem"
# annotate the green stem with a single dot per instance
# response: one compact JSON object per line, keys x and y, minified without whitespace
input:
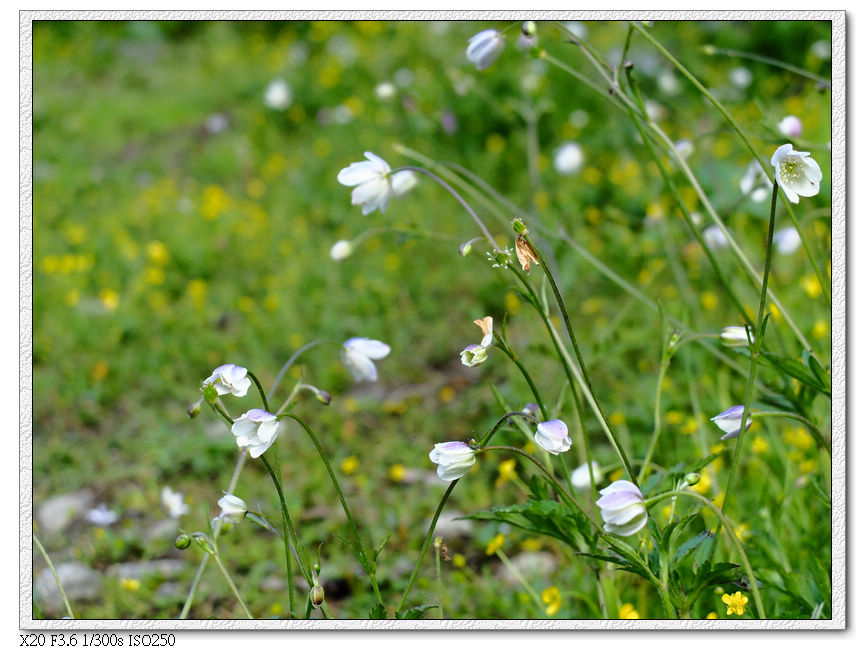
{"x":812,"y":428}
{"x":508,"y":350}
{"x":656,"y":432}
{"x":54,"y":573}
{"x":289,"y":363}
{"x":584,"y":379}
{"x":712,"y":50}
{"x":260,"y":390}
{"x":755,"y":351}
{"x":752,"y":581}
{"x":368,"y":567}
{"x":522,"y":580}
{"x":231,"y":584}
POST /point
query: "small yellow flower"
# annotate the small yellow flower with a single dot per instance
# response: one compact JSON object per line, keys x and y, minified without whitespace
{"x":459,"y":560}
{"x":712,"y":616}
{"x":759,"y":445}
{"x":507,"y":471}
{"x":552,"y":599}
{"x":349,"y":465}
{"x":532,"y":544}
{"x":674,"y":417}
{"x":447,"y":394}
{"x":811,"y":285}
{"x":821,"y":329}
{"x":628,"y":611}
{"x":397,"y":473}
{"x":110,"y":299}
{"x":709,"y":300}
{"x":690,"y":426}
{"x":495,"y":544}
{"x":808,"y":466}
{"x":735,"y":603}
{"x":617,"y":418}
{"x":130,"y":584}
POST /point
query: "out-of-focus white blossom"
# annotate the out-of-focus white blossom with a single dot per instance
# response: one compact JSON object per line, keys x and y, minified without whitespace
{"x":372,"y":188}
{"x":787,"y":240}
{"x":736,"y":336}
{"x":580,"y":478}
{"x":278,"y":95}
{"x":715,"y":238}
{"x":568,"y":159}
{"x":741,"y":77}
{"x":101,"y":516}
{"x":173,"y":503}
{"x":340,"y":250}
{"x":403,"y":182}
{"x":485,"y":47}
{"x":358,"y":355}
{"x":790,"y":127}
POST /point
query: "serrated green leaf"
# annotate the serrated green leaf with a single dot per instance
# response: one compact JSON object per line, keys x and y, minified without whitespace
{"x":377,"y":612}
{"x":701,"y":555}
{"x":540,"y":516}
{"x":688,"y":546}
{"x":414,"y":613}
{"x":793,"y":368}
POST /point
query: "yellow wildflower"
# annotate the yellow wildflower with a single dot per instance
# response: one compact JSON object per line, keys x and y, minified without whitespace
{"x":349,"y":465}
{"x":712,"y":616}
{"x":507,"y":471}
{"x":735,"y":603}
{"x":495,"y":544}
{"x":759,"y":445}
{"x":552,"y":599}
{"x":397,"y":473}
{"x":628,"y":611}
{"x":130,"y":584}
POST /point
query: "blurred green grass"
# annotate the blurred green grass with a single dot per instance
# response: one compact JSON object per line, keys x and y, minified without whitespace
{"x":164,"y":247}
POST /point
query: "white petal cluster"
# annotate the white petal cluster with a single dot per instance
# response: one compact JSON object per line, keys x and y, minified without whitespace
{"x":474,"y":354}
{"x":278,"y":95}
{"x":173,"y":503}
{"x":580,"y":478}
{"x":229,"y":379}
{"x":796,"y":172}
{"x":553,"y":437}
{"x":622,"y":508}
{"x":358,"y":355}
{"x":568,"y":159}
{"x":453,"y":458}
{"x":484,"y":48}
{"x":372,"y":188}
{"x":233,"y":508}
{"x":256,"y":430}
{"x":730,"y":421}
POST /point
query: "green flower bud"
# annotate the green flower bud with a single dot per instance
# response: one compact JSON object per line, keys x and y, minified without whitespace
{"x":194,"y":409}
{"x":692,"y":479}
{"x":182,"y":542}
{"x":519,"y":226}
{"x":316,"y":596}
{"x":465,"y":249}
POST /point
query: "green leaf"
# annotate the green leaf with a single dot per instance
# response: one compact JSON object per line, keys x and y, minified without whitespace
{"x":415,"y":613}
{"x":688,"y":546}
{"x":377,"y":612}
{"x":701,"y":555}
{"x":381,"y":547}
{"x":793,"y":368}
{"x":260,"y":519}
{"x":820,"y":374}
{"x":543,"y":517}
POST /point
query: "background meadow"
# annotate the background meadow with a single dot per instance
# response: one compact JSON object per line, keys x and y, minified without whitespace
{"x":180,"y":222}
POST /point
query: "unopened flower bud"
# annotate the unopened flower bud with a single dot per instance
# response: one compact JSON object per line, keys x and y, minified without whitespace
{"x":529,"y":28}
{"x":709,"y":49}
{"x":736,"y":336}
{"x":316,"y":567}
{"x":692,"y":479}
{"x":324,"y":397}
{"x":674,"y":338}
{"x":182,"y":542}
{"x":340,"y":250}
{"x":316,"y":596}
{"x":465,"y":249}
{"x":194,"y":409}
{"x":220,"y":525}
{"x":519,"y":226}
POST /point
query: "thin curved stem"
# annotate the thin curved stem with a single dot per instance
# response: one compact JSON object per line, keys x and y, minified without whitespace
{"x":289,"y":363}
{"x":815,"y":432}
{"x":232,"y":585}
{"x":752,"y":581}
{"x":54,"y":573}
{"x":712,"y":50}
{"x":457,"y":196}
{"x":368,"y":566}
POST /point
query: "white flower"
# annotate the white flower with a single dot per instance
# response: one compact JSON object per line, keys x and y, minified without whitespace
{"x":402,"y":182}
{"x":484,"y":48}
{"x":278,"y":95}
{"x":256,"y":430}
{"x":340,"y":250}
{"x":796,"y":172}
{"x":173,"y":503}
{"x":101,"y":516}
{"x":454,"y":459}
{"x":787,"y":240}
{"x":568,"y":159}
{"x":385,"y":90}
{"x":668,"y":83}
{"x":229,"y":379}
{"x":736,"y":336}
{"x":790,"y":126}
{"x":730,"y":421}
{"x":741,"y":77}
{"x":473,"y":354}
{"x":553,"y":436}
{"x":357,"y":355}
{"x":715,"y":238}
{"x":622,"y":508}
{"x":580,"y":477}
{"x":233,"y":508}
{"x":373,"y":189}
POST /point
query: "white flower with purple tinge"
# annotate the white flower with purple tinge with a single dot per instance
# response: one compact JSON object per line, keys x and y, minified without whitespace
{"x":796,"y":172}
{"x":173,"y":503}
{"x":787,"y":241}
{"x":622,"y":508}
{"x":730,"y":421}
{"x":553,"y":436}
{"x":474,"y":354}
{"x":229,"y":379}
{"x":101,"y":516}
{"x":484,"y":48}
{"x":233,"y":508}
{"x":790,"y":126}
{"x":358,"y":354}
{"x":568,"y":159}
{"x":370,"y":179}
{"x":454,"y":459}
{"x":256,"y":430}
{"x":580,"y":478}
{"x":403,"y":182}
